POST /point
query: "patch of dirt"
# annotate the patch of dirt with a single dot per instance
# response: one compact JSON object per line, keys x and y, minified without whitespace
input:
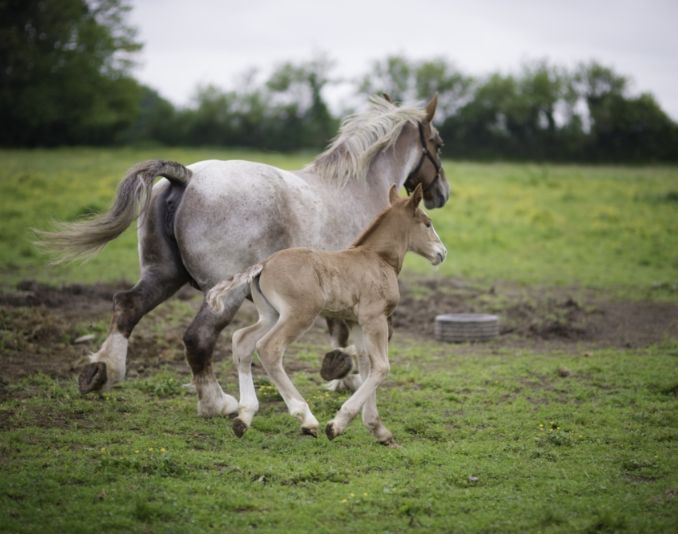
{"x":39,"y":324}
{"x":538,"y":317}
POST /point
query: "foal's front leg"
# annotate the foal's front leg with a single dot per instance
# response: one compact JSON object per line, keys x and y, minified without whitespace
{"x":375,"y":335}
{"x":370,"y":415}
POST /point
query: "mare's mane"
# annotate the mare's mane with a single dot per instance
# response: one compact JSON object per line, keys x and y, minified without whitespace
{"x":361,"y":137}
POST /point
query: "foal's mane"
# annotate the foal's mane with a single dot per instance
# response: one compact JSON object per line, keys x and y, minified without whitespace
{"x":360,"y":240}
{"x":378,"y":221}
{"x":361,"y":137}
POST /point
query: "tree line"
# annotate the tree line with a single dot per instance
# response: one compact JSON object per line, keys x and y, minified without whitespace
{"x":66,"y":78}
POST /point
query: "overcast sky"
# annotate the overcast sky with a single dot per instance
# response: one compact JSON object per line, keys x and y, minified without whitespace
{"x":191,"y":42}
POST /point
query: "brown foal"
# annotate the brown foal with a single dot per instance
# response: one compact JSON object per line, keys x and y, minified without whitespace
{"x":358,"y":285}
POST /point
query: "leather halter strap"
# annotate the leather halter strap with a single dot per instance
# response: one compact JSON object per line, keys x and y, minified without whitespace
{"x":426,"y":153}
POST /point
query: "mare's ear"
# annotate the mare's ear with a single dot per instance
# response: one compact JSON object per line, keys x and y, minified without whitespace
{"x":431,"y":108}
{"x":393,"y":195}
{"x":416,"y":197}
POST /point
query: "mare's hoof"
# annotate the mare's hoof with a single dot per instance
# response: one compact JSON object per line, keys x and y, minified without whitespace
{"x":390,"y":443}
{"x":310,"y":431}
{"x":336,"y":364}
{"x":330,"y":432}
{"x":92,"y":377}
{"x":239,"y":427}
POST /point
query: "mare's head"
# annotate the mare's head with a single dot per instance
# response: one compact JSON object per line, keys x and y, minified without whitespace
{"x":422,"y":238}
{"x":404,"y":129}
{"x":428,"y":171}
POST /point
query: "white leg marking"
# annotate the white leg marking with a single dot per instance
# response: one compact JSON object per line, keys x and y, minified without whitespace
{"x":249,"y":404}
{"x":114,"y":354}
{"x":212,"y":399}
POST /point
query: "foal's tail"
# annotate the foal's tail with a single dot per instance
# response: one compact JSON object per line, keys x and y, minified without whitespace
{"x":216,"y":295}
{"x":83,"y":239}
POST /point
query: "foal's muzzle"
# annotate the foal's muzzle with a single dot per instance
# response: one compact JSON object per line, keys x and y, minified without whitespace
{"x":439,"y":255}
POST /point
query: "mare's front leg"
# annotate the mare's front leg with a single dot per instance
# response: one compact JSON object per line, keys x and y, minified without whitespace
{"x":271,"y":349}
{"x":336,"y":363}
{"x":375,"y":339}
{"x":336,"y":358}
{"x":200,"y":339}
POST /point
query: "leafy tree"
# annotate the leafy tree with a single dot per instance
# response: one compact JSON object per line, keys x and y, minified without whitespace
{"x":392,"y":75}
{"x":295,"y":92}
{"x":440,"y":76}
{"x":65,"y":71}
{"x":405,"y":80}
{"x":156,"y":122}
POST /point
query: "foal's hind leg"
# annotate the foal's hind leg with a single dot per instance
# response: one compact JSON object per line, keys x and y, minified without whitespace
{"x":244,"y":343}
{"x":271,"y":350}
{"x":162,"y":274}
{"x":200,"y":339}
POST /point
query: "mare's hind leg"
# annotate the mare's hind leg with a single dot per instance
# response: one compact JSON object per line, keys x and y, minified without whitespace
{"x":200,"y":339}
{"x":108,"y":365}
{"x":162,"y":274}
{"x":271,"y":349}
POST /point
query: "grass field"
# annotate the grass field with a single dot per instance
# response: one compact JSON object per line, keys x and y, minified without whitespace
{"x":522,"y":434}
{"x":498,"y":443}
{"x":606,"y":227}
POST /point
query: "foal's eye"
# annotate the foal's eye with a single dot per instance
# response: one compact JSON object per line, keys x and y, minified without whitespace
{"x":428,"y":224}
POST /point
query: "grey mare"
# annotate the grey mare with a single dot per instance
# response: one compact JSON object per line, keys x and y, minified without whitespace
{"x":207,"y":221}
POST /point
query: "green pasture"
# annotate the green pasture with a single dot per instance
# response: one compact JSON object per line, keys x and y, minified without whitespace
{"x":494,"y":443}
{"x":604,"y":227}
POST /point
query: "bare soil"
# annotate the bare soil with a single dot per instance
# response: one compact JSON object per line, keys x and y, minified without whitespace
{"x":539,"y":317}
{"x":39,"y":324}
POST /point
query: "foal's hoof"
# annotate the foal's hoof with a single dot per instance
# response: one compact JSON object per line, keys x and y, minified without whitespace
{"x":336,"y":364}
{"x":239,"y":427}
{"x":309,"y":431}
{"x":92,"y":377}
{"x":330,"y":432}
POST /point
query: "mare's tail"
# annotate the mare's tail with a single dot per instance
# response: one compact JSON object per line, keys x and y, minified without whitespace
{"x":86,"y":238}
{"x":215,"y":296}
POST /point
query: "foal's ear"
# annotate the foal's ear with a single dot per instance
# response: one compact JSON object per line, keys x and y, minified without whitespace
{"x":393,"y":195}
{"x":416,"y":197}
{"x":431,"y":108}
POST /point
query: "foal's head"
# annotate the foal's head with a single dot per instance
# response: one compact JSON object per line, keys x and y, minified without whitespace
{"x":422,"y":238}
